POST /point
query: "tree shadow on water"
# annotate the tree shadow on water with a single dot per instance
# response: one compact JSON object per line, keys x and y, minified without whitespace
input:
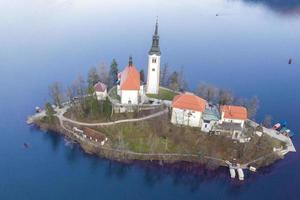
{"x":117,"y":169}
{"x":153,"y":176}
{"x":96,"y":162}
{"x":72,"y":154}
{"x":54,"y":139}
{"x":181,"y":174}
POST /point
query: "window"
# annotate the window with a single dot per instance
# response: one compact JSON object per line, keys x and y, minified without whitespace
{"x":153,"y":60}
{"x":153,"y":69}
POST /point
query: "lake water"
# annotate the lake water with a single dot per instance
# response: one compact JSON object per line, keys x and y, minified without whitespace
{"x":245,"y":48}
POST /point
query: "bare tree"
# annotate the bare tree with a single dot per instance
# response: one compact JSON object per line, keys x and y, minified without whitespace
{"x":55,"y":91}
{"x":224,"y":97}
{"x":174,"y":81}
{"x":211,"y":93}
{"x":208,"y":92}
{"x":93,"y":77}
{"x":103,"y":73}
{"x":200,"y":91}
{"x":240,"y":102}
{"x":164,"y":75}
{"x":267,"y":122}
{"x":252,"y":107}
{"x":81,"y":91}
{"x":70,"y":94}
{"x":181,"y":78}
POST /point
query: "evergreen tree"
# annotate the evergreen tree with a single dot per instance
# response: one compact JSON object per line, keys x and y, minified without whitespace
{"x":93,"y":77}
{"x":142,"y":75}
{"x":107,"y":108}
{"x":93,"y":107}
{"x":49,"y":112}
{"x":113,"y":73}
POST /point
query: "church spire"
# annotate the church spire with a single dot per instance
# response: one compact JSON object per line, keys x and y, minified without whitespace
{"x":130,"y":62}
{"x":156,"y":27}
{"x":155,"y":49}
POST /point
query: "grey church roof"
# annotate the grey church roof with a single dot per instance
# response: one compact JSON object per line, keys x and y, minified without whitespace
{"x":155,"y":49}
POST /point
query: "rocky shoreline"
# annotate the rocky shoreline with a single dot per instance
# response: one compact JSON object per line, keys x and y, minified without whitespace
{"x":188,"y":160}
{"x":124,"y":156}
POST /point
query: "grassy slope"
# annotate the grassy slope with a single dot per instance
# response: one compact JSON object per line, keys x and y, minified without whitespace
{"x":163,"y":94}
{"x":159,"y":136}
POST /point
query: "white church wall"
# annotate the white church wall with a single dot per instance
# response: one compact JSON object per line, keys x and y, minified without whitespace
{"x":101,"y":95}
{"x":130,"y":97}
{"x":186,"y":117}
{"x":153,"y":74}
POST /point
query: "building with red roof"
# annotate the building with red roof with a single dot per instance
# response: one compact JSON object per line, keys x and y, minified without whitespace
{"x":130,"y":88}
{"x":233,"y":114}
{"x":100,"y":90}
{"x":187,"y":110}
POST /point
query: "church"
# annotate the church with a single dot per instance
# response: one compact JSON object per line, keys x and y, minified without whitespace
{"x":130,"y":88}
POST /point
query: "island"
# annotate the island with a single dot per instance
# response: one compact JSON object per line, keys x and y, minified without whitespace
{"x":120,"y":116}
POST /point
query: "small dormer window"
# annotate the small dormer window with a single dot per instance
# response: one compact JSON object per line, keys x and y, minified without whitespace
{"x":153,"y":60}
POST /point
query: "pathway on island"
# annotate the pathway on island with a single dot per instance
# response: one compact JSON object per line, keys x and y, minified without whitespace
{"x":62,"y":118}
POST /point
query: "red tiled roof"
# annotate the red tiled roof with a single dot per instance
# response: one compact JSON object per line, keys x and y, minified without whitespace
{"x":94,"y":134}
{"x":234,"y":112}
{"x":100,"y":87}
{"x":130,"y":78}
{"x":189,"y":101}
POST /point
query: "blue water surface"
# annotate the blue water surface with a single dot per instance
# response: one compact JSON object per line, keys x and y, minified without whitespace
{"x":243,"y":45}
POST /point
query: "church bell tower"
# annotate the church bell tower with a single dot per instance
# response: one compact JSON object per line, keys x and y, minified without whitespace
{"x":153,"y":78}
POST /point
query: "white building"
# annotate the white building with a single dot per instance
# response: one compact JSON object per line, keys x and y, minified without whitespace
{"x":100,"y":90}
{"x":233,"y":114}
{"x":130,"y":89}
{"x":187,"y":110}
{"x":153,"y":78}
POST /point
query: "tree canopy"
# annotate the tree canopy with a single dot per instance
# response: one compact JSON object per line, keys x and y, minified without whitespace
{"x":93,"y":77}
{"x":113,"y":73}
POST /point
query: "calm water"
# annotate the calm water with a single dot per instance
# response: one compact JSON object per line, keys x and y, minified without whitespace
{"x":245,"y":48}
